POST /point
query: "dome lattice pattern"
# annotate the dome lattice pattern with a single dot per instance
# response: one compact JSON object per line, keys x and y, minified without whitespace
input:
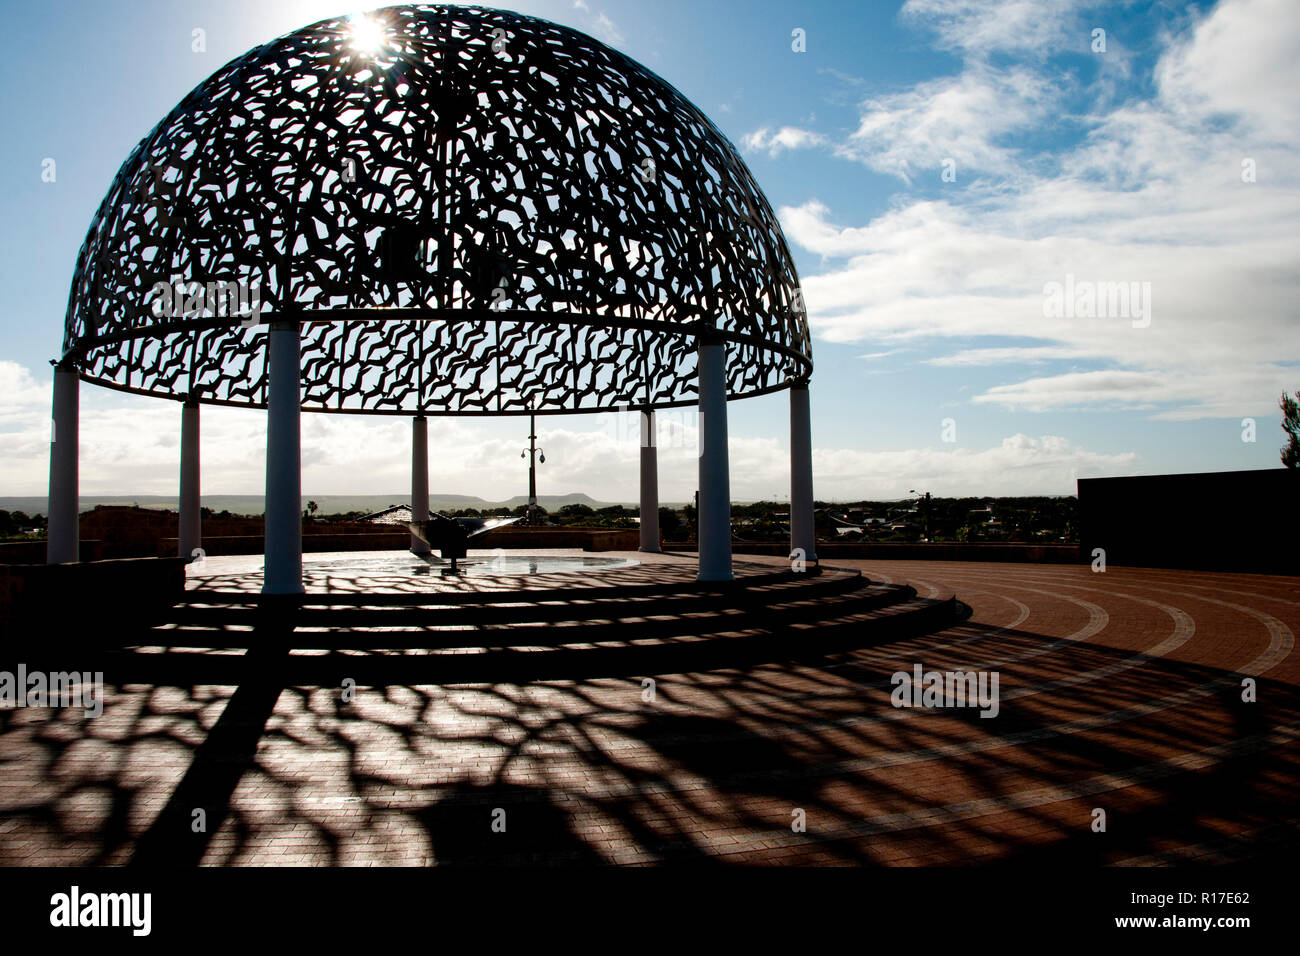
{"x":484,"y":214}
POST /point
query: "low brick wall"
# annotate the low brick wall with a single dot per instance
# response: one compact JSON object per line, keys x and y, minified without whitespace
{"x":93,"y":591}
{"x":921,"y":551}
{"x":387,"y":540}
{"x":592,"y":539}
{"x":588,"y":539}
{"x":130,"y":532}
{"x":33,"y":552}
{"x":1154,"y":521}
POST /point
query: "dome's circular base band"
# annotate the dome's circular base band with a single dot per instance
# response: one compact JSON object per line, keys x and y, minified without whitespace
{"x":698,"y":330}
{"x":432,"y":412}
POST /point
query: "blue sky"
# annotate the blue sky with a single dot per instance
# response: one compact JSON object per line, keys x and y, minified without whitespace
{"x":926,"y":291}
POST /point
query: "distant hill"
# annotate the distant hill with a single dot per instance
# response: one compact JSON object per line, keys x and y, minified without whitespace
{"x":551,"y":502}
{"x":329,"y":504}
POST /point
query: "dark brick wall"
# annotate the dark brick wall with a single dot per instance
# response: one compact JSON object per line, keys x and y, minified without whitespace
{"x":1218,"y":521}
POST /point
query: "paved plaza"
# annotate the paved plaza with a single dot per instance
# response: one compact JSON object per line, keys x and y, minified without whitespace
{"x":1120,"y":692}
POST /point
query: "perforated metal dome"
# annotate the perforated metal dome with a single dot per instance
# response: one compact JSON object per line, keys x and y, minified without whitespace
{"x":469,"y":211}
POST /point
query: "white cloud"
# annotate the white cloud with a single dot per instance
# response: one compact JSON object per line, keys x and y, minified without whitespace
{"x":1025,"y":355}
{"x":24,"y":429}
{"x":1230,"y":66}
{"x":129,"y":445}
{"x":607,"y":30}
{"x":962,"y":118}
{"x":601,"y":25}
{"x":978,"y":28}
{"x":1154,"y":193}
{"x":22,"y":394}
{"x":1019,"y":465}
{"x":777,"y":141}
{"x":970,"y":117}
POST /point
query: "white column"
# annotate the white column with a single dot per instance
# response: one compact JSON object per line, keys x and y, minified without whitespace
{"x":649,"y":484}
{"x":419,"y":479}
{"x":803,"y":532}
{"x":715,"y":479}
{"x":63,"y":537}
{"x":283,"y":573}
{"x":190,"y":533}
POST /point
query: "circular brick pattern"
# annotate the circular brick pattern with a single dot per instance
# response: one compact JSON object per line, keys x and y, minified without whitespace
{"x":1120,"y":692}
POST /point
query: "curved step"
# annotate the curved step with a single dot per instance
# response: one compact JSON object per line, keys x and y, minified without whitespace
{"x":540,"y":634}
{"x":731,"y":649}
{"x":580,"y":623}
{"x":523,"y":606}
{"x":746,"y":581}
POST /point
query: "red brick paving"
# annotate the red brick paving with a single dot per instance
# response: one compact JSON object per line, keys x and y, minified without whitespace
{"x":1119,"y":691}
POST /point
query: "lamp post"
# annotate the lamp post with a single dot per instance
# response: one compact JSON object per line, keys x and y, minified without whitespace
{"x":534,"y":456}
{"x":913,"y":491}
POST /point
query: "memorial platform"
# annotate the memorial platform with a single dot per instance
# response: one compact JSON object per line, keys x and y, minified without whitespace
{"x":1120,"y":692}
